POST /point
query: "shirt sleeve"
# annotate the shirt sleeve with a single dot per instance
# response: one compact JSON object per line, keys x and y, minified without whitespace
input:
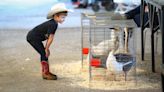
{"x":52,"y":29}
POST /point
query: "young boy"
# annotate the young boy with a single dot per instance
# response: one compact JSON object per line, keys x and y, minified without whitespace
{"x":46,"y":31}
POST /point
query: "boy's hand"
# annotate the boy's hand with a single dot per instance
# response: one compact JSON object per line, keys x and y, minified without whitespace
{"x":47,"y":52}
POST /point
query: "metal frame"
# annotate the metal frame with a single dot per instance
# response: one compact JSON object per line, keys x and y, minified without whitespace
{"x":153,"y":5}
{"x":100,"y":20}
{"x":153,"y":29}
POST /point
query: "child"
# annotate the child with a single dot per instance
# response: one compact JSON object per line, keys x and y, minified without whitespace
{"x":46,"y":31}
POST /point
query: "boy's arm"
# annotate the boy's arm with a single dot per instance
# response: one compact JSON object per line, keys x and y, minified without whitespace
{"x":48,"y":43}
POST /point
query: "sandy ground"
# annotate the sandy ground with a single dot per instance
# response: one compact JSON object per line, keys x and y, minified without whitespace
{"x":20,"y":69}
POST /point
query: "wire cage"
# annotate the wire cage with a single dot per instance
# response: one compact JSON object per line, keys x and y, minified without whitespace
{"x":114,"y":50}
{"x":112,"y":47}
{"x":110,"y":51}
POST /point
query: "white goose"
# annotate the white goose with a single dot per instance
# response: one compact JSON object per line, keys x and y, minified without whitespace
{"x":104,"y":47}
{"x":117,"y":67}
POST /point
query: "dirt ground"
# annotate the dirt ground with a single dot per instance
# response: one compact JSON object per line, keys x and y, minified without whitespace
{"x":20,"y":69}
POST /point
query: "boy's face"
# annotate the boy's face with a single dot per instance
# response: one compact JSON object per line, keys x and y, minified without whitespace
{"x":60,"y":18}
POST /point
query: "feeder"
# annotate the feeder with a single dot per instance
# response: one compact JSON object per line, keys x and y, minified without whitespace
{"x":85,"y":51}
{"x":95,"y":62}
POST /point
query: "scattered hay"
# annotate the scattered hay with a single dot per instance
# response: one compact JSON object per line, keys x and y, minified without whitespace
{"x":80,"y":77}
